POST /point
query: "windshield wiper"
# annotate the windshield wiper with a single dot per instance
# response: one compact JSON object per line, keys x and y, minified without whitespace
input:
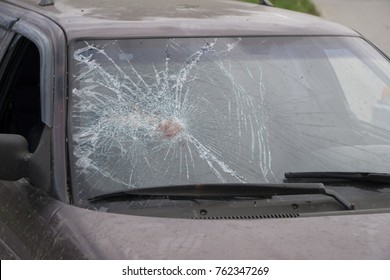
{"x":347,"y":176}
{"x":224,"y":192}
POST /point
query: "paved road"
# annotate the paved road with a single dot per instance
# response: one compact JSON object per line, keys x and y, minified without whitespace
{"x":369,"y":17}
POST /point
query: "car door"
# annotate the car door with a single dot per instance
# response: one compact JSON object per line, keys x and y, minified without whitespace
{"x":31,"y":86}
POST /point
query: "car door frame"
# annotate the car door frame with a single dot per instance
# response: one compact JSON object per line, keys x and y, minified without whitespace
{"x":51,"y":42}
{"x":26,"y":209}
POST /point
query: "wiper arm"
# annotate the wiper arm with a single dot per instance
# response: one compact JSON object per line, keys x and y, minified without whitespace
{"x":223,"y":192}
{"x":348,"y":176}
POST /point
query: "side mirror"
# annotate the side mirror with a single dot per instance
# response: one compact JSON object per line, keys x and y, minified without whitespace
{"x":14,"y":157}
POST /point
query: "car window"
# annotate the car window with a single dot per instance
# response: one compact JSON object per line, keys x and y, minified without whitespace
{"x":156,"y":112}
{"x":20,"y":111}
{"x":358,"y":82}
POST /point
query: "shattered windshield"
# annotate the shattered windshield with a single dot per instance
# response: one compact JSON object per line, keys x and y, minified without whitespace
{"x":158,"y":112}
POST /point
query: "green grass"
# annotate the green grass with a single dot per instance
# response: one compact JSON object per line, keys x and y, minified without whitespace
{"x":303,"y":6}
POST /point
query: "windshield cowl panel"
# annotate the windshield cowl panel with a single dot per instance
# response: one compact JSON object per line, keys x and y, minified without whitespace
{"x":161,"y":112}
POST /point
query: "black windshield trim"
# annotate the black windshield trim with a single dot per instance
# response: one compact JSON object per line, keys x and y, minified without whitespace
{"x":223,"y":192}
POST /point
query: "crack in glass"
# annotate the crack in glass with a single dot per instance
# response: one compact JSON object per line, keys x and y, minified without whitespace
{"x":193,"y":116}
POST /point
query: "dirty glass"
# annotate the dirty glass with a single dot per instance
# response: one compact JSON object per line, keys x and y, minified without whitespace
{"x":157,"y":112}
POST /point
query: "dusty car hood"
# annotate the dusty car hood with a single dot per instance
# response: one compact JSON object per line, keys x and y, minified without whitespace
{"x":83,"y":233}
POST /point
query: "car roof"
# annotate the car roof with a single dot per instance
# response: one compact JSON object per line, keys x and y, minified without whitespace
{"x":178,"y":18}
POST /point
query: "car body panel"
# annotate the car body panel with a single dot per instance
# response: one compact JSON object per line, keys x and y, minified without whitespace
{"x":127,"y":19}
{"x":25,"y":215}
{"x":55,"y":230}
{"x":51,"y":41}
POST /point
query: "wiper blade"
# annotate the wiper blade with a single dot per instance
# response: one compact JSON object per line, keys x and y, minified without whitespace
{"x":223,"y":192}
{"x":348,"y":176}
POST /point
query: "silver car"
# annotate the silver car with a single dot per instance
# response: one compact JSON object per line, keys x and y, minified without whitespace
{"x":208,"y":129}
